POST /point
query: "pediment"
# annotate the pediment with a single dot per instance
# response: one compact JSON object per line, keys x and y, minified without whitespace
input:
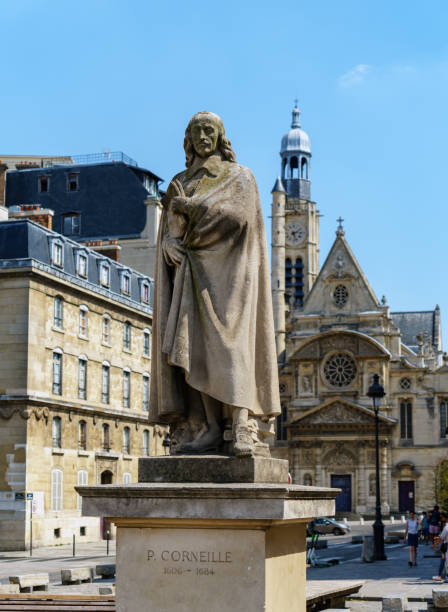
{"x":339,"y":412}
{"x":355,"y":342}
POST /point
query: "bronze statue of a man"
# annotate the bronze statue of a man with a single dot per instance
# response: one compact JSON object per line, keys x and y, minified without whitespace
{"x":214,"y":365}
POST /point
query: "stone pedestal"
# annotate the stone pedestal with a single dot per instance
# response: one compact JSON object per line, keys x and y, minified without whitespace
{"x":209,"y":547}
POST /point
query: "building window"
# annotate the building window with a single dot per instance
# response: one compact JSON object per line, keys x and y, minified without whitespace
{"x":82,"y":482}
{"x":105,"y":274}
{"x":127,"y":336}
{"x":144,"y":292}
{"x":57,"y":373}
{"x":372,"y":485}
{"x":82,"y":262}
{"x":56,"y":490}
{"x":83,"y":321}
{"x":72,"y":181}
{"x":126,"y":441}
{"x":308,"y":480}
{"x":106,"y":330}
{"x":82,"y":378}
{"x":82,"y":435}
{"x":405,"y":384}
{"x":146,"y":443}
{"x":105,"y":442}
{"x":105,"y":384}
{"x":44,"y":184}
{"x":58,"y":312}
{"x":443,"y":417}
{"x":126,"y":478}
{"x":340,"y":370}
{"x":281,"y":423}
{"x":146,"y":343}
{"x":125,"y":283}
{"x":146,"y":392}
{"x":71,"y":224}
{"x":340,"y":296}
{"x":304,"y":169}
{"x":405,"y":420}
{"x":126,"y":388}
{"x":56,"y":432}
{"x":57,"y":253}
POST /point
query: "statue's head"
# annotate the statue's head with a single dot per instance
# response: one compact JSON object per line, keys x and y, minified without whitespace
{"x":204,"y":135}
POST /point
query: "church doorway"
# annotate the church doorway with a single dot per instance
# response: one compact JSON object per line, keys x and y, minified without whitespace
{"x":344,"y":499}
{"x":406,"y":497}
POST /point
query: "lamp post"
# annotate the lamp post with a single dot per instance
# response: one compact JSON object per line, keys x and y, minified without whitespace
{"x":376,"y":392}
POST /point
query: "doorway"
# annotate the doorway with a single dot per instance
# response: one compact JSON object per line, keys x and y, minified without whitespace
{"x":344,"y":499}
{"x":106,"y":477}
{"x":406,"y":496}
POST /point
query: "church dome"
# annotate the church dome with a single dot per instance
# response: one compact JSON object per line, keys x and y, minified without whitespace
{"x":295,"y":139}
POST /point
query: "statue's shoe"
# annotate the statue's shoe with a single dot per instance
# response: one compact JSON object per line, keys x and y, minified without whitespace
{"x":243,"y":445}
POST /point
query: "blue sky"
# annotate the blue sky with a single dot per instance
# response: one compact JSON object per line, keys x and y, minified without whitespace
{"x":371,"y":78}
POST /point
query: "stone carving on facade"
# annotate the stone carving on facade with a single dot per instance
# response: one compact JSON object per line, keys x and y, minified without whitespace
{"x":336,"y":414}
{"x":6,"y":412}
{"x":40,"y":413}
{"x":371,"y":457}
{"x":339,"y":456}
{"x":307,"y":457}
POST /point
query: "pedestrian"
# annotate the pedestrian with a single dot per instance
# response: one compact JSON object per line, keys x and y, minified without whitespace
{"x":411,"y":535}
{"x":434,"y":523}
{"x":425,"y":527}
{"x":441,"y":542}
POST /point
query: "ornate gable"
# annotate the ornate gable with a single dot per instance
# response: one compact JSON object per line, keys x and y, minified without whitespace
{"x":337,"y":414}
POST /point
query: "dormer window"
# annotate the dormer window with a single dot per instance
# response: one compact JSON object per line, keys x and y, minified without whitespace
{"x":57,"y":253}
{"x":144,"y":292}
{"x":105,"y":274}
{"x":72,"y":182}
{"x":125,"y":283}
{"x":82,"y":263}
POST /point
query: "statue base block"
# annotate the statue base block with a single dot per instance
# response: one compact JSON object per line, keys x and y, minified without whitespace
{"x":212,"y":468}
{"x":209,"y":547}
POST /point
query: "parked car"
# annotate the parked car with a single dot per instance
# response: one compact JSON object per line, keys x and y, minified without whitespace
{"x":327,"y":525}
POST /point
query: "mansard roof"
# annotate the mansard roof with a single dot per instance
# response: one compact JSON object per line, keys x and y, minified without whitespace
{"x":411,"y":324}
{"x":110,"y":198}
{"x":27,"y":245}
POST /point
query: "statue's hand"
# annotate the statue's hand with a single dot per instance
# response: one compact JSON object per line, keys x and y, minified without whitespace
{"x":173,"y":251}
{"x":180,"y":205}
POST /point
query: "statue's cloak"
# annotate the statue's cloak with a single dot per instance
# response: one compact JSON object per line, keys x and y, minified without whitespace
{"x":213,"y":325}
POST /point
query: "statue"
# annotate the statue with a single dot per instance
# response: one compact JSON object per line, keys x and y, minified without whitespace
{"x":214,"y":365}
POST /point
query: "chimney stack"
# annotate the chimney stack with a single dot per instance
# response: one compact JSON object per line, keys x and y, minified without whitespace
{"x":33,"y":212}
{"x":108,"y":248}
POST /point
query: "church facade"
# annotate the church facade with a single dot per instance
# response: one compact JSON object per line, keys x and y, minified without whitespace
{"x":333,"y":335}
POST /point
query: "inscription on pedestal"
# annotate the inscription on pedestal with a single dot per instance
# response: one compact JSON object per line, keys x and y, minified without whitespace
{"x":183,"y":569}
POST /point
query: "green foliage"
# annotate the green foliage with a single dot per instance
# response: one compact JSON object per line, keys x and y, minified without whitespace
{"x":442,"y":485}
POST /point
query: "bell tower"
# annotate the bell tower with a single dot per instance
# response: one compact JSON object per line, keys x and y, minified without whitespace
{"x":295,"y":227}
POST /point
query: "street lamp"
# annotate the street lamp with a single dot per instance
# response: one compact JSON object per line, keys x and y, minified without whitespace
{"x":376,"y":392}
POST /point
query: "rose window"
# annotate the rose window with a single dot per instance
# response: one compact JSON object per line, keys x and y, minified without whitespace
{"x":340,"y":296}
{"x":340,"y":370}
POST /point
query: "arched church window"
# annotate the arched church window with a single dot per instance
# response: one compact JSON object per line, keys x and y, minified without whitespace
{"x":294,"y":165}
{"x":298,"y":282}
{"x":304,"y":168}
{"x":340,"y":370}
{"x":284,"y":162}
{"x":281,"y":423}
{"x":340,"y":296}
{"x":288,"y":272}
